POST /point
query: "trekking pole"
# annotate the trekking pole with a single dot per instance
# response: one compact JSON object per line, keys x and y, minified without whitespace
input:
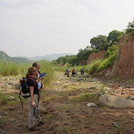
{"x":21,"y":102}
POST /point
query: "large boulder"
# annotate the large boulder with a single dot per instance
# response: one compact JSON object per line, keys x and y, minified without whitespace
{"x":115,"y":101}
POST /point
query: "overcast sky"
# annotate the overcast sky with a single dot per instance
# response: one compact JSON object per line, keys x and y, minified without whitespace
{"x":41,"y":27}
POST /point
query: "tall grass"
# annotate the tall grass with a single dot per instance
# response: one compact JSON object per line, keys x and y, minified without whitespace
{"x":14,"y":69}
{"x":23,"y":68}
{"x":7,"y":69}
{"x":47,"y":67}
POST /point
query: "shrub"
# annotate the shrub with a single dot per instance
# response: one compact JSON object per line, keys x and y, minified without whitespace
{"x":107,"y":63}
{"x":92,"y":68}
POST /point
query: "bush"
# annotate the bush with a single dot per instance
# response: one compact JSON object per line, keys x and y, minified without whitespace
{"x":107,"y":63}
{"x":92,"y":68}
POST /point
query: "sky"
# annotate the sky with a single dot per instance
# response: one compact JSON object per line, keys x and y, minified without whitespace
{"x":41,"y":27}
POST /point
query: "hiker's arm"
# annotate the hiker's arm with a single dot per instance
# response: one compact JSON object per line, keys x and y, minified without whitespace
{"x":32,"y":96}
{"x":39,"y":79}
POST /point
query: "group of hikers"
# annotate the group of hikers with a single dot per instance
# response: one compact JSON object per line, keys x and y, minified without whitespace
{"x":74,"y":72}
{"x":35,"y":85}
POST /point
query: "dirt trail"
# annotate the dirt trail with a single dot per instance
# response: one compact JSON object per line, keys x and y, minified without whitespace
{"x":64,"y":110}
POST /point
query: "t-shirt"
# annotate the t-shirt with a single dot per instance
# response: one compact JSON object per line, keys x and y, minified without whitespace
{"x":32,"y":82}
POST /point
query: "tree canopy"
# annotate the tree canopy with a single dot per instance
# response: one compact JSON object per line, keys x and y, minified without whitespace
{"x":100,"y":42}
{"x":114,"y":37}
{"x":130,"y":28}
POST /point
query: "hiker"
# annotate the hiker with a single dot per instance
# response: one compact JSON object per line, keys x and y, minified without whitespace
{"x":82,"y":71}
{"x":39,"y":80}
{"x":67,"y":72}
{"x":37,"y":66}
{"x":33,"y":99}
{"x":73,"y":72}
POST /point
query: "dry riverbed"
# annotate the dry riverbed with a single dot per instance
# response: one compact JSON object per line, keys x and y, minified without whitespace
{"x":64,"y":108}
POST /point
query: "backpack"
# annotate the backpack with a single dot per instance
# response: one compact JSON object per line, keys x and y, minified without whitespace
{"x":24,"y":88}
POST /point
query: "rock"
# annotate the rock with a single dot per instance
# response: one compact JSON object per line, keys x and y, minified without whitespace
{"x":123,"y":93}
{"x":91,"y":105}
{"x":6,"y":113}
{"x":132,"y":97}
{"x":11,"y":98}
{"x":115,"y":124}
{"x":115,"y":101}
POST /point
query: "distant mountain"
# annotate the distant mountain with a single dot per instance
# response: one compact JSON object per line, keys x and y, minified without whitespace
{"x":5,"y":57}
{"x":50,"y":57}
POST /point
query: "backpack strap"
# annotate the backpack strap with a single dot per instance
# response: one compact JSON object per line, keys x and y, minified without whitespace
{"x":32,"y":80}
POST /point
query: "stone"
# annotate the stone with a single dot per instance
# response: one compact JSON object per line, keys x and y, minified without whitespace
{"x":132,"y":97}
{"x":91,"y":105}
{"x":115,"y":101}
{"x":10,"y":98}
{"x":115,"y":124}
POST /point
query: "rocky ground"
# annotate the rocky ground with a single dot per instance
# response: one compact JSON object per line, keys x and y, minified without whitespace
{"x":64,"y":108}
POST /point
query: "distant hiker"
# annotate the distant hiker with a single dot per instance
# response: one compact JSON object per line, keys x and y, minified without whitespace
{"x":82,"y":71}
{"x":33,"y":99}
{"x":73,"y":72}
{"x":67,"y":71}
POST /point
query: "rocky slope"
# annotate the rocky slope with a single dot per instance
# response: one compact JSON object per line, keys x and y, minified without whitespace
{"x":124,"y":64}
{"x":124,"y":67}
{"x":95,"y":56}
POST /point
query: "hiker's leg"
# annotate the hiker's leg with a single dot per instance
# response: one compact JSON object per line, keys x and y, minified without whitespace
{"x":36,"y":115}
{"x":31,"y":114}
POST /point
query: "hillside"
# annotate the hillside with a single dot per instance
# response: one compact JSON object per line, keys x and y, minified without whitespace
{"x":5,"y":57}
{"x":50,"y":57}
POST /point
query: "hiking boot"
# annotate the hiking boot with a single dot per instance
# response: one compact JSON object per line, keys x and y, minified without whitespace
{"x":33,"y":129}
{"x":40,"y":123}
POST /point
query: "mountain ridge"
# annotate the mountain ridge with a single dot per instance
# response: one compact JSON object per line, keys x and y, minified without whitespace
{"x":5,"y":57}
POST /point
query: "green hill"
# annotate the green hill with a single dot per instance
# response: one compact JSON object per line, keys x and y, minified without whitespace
{"x":5,"y":57}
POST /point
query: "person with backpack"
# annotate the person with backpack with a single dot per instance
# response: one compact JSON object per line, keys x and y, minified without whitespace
{"x":38,"y":79}
{"x":73,"y":72}
{"x":82,"y":71}
{"x":33,"y":99}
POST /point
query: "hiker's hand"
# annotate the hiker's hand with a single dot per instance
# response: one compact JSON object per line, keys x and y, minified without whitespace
{"x":34,"y":104}
{"x":42,"y":78}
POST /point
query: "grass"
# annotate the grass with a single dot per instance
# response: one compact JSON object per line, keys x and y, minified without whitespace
{"x":67,"y":130}
{"x":66,"y":108}
{"x":14,"y":69}
{"x":86,"y":97}
{"x":49,"y":98}
{"x":93,"y":67}
{"x":2,"y":121}
{"x":9,"y":69}
{"x":49,"y":69}
{"x":4,"y":100}
{"x":94,"y":88}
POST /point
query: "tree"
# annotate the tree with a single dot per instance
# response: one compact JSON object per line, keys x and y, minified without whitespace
{"x":130,"y":28}
{"x":114,"y":37}
{"x":83,"y":54}
{"x":100,"y":42}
